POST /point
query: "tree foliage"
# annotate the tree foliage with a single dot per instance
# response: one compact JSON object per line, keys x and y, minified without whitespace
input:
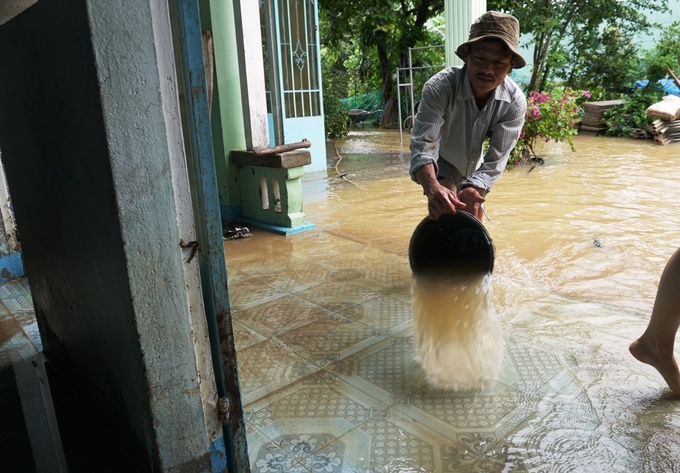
{"x":372,"y":38}
{"x":334,"y":89}
{"x":582,"y":42}
{"x":666,"y":54}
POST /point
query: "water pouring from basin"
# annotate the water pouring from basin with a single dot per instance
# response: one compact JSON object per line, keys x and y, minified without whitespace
{"x":457,"y":332}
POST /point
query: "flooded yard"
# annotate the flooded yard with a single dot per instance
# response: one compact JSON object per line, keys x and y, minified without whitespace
{"x":324,"y":326}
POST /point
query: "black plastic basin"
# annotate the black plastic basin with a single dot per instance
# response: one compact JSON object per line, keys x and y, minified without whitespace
{"x":453,"y":244}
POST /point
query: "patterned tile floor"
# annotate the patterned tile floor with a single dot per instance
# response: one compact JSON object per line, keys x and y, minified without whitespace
{"x":330,"y":382}
{"x":22,"y":413}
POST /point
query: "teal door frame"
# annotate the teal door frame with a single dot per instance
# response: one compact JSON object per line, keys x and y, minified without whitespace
{"x":233,"y":455}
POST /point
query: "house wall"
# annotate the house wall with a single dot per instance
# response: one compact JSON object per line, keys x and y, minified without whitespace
{"x":84,"y":136}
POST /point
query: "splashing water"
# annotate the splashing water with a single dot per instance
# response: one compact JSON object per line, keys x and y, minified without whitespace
{"x":457,"y":331}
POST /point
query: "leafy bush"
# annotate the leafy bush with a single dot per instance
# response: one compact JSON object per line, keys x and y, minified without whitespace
{"x":550,"y":116}
{"x":336,"y":118}
{"x":632,"y":114}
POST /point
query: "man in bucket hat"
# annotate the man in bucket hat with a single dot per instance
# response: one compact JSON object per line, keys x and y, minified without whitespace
{"x":460,"y":108}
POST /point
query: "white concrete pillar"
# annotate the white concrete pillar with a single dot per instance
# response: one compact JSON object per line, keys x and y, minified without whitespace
{"x":459,"y":15}
{"x":251,"y":68}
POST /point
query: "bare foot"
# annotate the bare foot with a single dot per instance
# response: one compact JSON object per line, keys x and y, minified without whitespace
{"x":665,"y":365}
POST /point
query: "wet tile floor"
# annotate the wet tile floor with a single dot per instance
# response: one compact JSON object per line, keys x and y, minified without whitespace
{"x":330,"y":383}
{"x":328,"y":375}
{"x":20,"y":345}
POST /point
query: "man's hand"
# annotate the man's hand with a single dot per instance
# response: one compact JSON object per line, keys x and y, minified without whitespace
{"x":473,"y":201}
{"x":441,"y":200}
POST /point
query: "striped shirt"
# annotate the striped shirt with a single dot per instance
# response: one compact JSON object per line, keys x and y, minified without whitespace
{"x":449,"y":130}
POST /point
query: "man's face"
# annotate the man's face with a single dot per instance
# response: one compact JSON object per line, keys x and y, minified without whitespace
{"x":488,"y":62}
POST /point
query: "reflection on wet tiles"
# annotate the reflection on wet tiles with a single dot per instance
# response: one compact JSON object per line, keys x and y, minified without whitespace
{"x":533,"y":367}
{"x":250,"y":292}
{"x":244,"y":336}
{"x":280,"y":315}
{"x":389,"y":443}
{"x":268,"y":366}
{"x":346,"y":275}
{"x":481,"y":451}
{"x":282,"y":454}
{"x":266,"y":264}
{"x":329,"y":339}
{"x":328,"y":249}
{"x":304,"y":420}
{"x":235,"y":276}
{"x":395,"y":278}
{"x":471,"y":411}
{"x":396,"y":447}
{"x":337,"y":296}
{"x":299,"y":276}
{"x":387,"y":370}
{"x":386,"y":316}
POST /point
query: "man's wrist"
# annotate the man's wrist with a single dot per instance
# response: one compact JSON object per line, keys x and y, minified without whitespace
{"x":465,"y":185}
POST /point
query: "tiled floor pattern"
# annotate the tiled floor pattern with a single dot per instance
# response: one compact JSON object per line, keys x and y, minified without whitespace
{"x":330,"y":382}
{"x":19,"y":335}
{"x":19,"y":346}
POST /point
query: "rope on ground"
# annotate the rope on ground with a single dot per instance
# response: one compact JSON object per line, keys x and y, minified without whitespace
{"x":343,"y":175}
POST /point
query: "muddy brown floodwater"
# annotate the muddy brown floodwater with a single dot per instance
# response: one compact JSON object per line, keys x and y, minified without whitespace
{"x":594,"y":225}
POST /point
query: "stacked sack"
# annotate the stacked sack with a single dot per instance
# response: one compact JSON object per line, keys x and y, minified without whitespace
{"x":666,"y":128}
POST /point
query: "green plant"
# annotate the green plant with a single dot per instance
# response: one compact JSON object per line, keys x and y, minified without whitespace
{"x":550,"y":116}
{"x":335,"y":118}
{"x":632,"y":114}
{"x":583,"y":42}
{"x":334,"y":88}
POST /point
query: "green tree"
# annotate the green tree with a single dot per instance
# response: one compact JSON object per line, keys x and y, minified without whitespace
{"x":576,"y":39}
{"x":616,"y":74}
{"x":382,"y":30}
{"x":632,"y":114}
{"x":666,"y":55}
{"x":334,"y":89}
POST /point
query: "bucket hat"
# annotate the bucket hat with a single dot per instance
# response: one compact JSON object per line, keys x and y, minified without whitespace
{"x":493,"y":24}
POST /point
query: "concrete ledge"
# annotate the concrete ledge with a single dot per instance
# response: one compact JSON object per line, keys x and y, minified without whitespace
{"x":286,"y":160}
{"x":276,"y":228}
